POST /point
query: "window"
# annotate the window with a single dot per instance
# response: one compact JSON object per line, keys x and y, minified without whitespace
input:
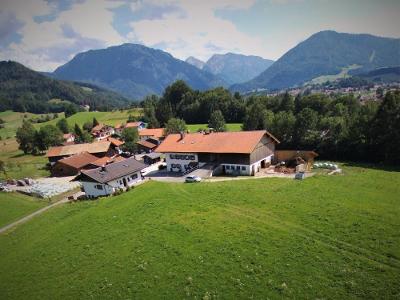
{"x":227,"y":167}
{"x":134,"y":176}
{"x":182,"y":156}
{"x":243,"y":168}
{"x":98,"y":186}
{"x":237,"y":168}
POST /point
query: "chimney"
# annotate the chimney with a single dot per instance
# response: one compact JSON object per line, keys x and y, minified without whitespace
{"x":182,"y":133}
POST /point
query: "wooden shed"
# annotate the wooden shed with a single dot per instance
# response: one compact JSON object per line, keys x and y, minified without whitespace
{"x":290,"y":155}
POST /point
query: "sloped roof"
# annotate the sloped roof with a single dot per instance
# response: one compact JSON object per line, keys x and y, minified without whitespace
{"x":216,"y":142}
{"x":156,"y":132}
{"x":97,"y":127}
{"x":114,"y":170}
{"x":79,"y":160}
{"x":68,"y":150}
{"x":146,"y":144}
{"x":133,"y":124}
{"x":107,"y":160}
{"x":114,"y":141}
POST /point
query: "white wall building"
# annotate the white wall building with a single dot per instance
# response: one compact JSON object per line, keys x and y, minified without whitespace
{"x":106,"y":180}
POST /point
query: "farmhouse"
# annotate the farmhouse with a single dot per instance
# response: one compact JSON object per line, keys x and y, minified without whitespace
{"x":146,"y":146}
{"x":99,"y":149}
{"x":72,"y":165}
{"x":236,"y":153}
{"x":153,"y":133}
{"x":108,"y":179}
{"x":120,"y":127}
{"x":101,"y":132}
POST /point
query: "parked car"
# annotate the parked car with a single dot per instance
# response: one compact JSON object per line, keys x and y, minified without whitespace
{"x":192,"y":178}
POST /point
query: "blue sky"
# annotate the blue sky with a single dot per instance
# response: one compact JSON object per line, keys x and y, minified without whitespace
{"x":44,"y":34}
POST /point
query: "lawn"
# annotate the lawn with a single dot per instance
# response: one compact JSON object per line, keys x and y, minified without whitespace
{"x":13,"y":206}
{"x":327,"y":237}
{"x":229,"y":127}
{"x":18,"y":165}
{"x":13,"y":120}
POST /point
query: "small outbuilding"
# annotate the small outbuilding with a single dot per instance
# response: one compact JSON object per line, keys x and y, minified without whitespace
{"x":151,"y":158}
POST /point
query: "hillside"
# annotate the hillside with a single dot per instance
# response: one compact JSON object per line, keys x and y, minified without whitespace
{"x":195,"y":62}
{"x":22,"y":89}
{"x":236,"y":68}
{"x":391,"y":74}
{"x":134,"y":70}
{"x":327,"y":237}
{"x":326,"y":53}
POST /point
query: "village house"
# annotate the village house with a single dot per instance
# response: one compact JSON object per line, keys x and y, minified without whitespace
{"x":120,"y":127}
{"x":72,"y":165}
{"x":106,"y":180}
{"x":101,"y":132}
{"x":99,"y":149}
{"x":236,"y":153}
{"x":69,"y":138}
{"x":151,"y":158}
{"x":146,"y":146}
{"x":156,"y":134}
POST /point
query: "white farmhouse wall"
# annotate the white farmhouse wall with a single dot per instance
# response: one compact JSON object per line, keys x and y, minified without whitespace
{"x":171,"y":162}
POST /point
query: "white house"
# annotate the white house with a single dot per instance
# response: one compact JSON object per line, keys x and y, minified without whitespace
{"x":106,"y":180}
{"x":235,"y":153}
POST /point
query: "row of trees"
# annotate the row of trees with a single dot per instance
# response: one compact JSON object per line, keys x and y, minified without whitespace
{"x":337,"y":127}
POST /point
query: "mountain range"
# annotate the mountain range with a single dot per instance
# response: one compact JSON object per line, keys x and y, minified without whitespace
{"x":134,"y":70}
{"x":233,"y":68}
{"x":326,"y":53}
{"x":22,"y":89}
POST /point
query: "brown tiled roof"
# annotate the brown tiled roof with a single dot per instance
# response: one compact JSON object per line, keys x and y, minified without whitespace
{"x":133,"y":124}
{"x":79,"y":160}
{"x":115,"y":142}
{"x":69,"y":150}
{"x":146,"y":144}
{"x":156,"y":132}
{"x":114,"y":170}
{"x":217,"y":142}
{"x":107,"y":160}
{"x":97,"y":127}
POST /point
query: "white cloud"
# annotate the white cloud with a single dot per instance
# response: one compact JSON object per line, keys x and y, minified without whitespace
{"x":198,"y":32}
{"x":48,"y":44}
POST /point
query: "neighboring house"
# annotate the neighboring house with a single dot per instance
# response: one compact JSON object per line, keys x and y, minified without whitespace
{"x":146,"y":146}
{"x":120,"y":127}
{"x":101,"y":132}
{"x":153,"y":133}
{"x":108,"y":179}
{"x":68,"y":137}
{"x":104,"y":161}
{"x":99,"y":149}
{"x":115,"y":143}
{"x":151,"y":158}
{"x":236,"y":153}
{"x":72,"y":165}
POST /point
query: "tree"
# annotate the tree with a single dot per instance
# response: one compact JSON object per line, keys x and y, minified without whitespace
{"x":3,"y":167}
{"x":217,"y":121}
{"x":88,"y":126}
{"x":174,"y":93}
{"x":95,"y":122}
{"x":131,"y":118}
{"x":150,"y":115}
{"x":306,"y":127}
{"x":255,"y":117}
{"x":175,"y":125}
{"x":26,"y":137}
{"x":130,"y":136}
{"x":283,"y":126}
{"x":70,"y":110}
{"x":82,"y":136}
{"x":48,"y":136}
{"x":62,"y":124}
{"x":287,"y":103}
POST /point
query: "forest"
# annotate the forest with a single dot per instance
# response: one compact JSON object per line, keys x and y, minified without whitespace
{"x":338,"y":127}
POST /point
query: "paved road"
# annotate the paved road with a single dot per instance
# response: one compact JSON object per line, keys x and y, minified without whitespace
{"x":38,"y":212}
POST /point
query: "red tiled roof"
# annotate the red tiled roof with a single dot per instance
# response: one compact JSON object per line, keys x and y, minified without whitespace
{"x":97,"y":127}
{"x":106,"y":160}
{"x":68,"y":150}
{"x":79,"y":160}
{"x":156,"y":132}
{"x":133,"y":124}
{"x":218,"y":142}
{"x":114,"y":141}
{"x":146,"y":144}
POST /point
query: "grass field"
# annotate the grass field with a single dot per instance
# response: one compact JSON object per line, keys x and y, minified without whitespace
{"x":327,"y":237}
{"x":13,"y":206}
{"x":19,"y":165}
{"x":229,"y":127}
{"x":13,"y":120}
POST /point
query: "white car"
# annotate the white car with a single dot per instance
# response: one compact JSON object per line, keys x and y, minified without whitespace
{"x":192,"y":178}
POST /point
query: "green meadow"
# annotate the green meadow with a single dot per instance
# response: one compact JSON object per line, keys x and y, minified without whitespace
{"x":229,"y":127}
{"x":327,"y":237}
{"x":13,"y":206}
